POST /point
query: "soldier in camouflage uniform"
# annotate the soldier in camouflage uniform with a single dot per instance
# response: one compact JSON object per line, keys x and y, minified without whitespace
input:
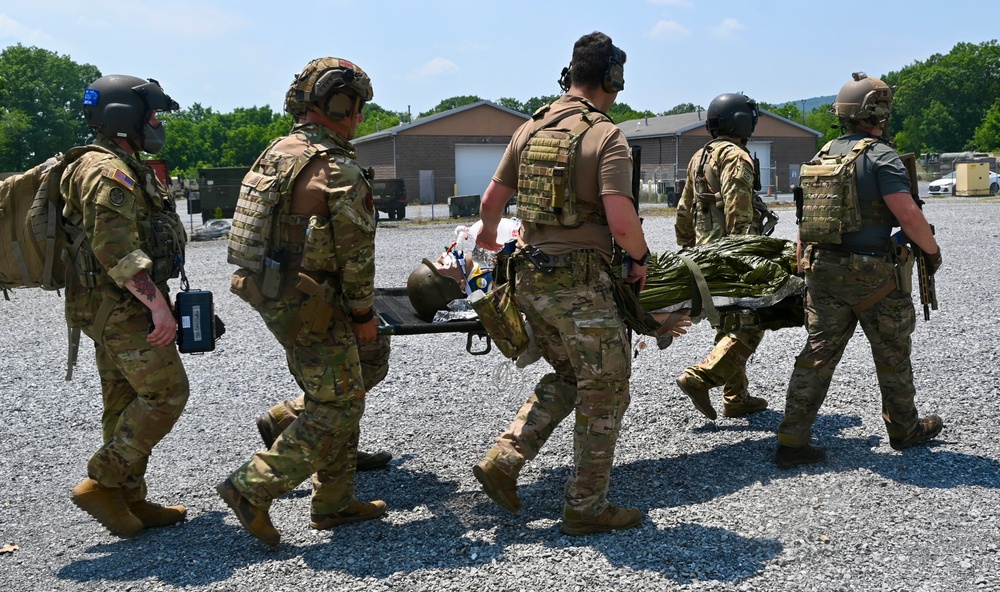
{"x":567,"y":298}
{"x":323,"y":310}
{"x":117,"y":294}
{"x":853,"y":279}
{"x":374,"y":359}
{"x":716,"y":202}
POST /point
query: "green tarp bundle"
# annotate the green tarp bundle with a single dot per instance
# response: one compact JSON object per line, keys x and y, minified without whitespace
{"x":741,"y":271}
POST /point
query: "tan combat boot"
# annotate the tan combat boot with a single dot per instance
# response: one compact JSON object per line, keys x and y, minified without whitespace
{"x":107,"y":506}
{"x":744,"y":407}
{"x":154,"y":515}
{"x":793,"y":456}
{"x":698,"y":391}
{"x":611,"y":519}
{"x":254,"y":519}
{"x":370,"y":461}
{"x":357,"y":511}
{"x":927,"y":429}
{"x":496,"y":484}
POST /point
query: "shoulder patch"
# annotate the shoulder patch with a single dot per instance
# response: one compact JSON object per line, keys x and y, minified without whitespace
{"x":121,"y":177}
{"x":116,"y":196}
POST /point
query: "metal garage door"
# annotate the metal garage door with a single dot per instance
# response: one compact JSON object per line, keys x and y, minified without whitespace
{"x":475,"y":165}
{"x":762,"y":150}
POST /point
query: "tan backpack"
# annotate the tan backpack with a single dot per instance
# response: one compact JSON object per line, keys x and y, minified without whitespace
{"x":34,"y":239}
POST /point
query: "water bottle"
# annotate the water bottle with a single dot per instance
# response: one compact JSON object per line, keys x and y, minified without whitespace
{"x":465,"y":236}
{"x":509,"y":228}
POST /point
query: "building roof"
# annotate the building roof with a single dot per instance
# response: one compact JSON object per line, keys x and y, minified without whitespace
{"x":392,"y":131}
{"x":675,"y":125}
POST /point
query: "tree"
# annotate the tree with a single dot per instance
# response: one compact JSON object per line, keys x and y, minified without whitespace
{"x":377,"y":119}
{"x":788,"y":111}
{"x":682,"y":108}
{"x":987,"y":136}
{"x":510,"y":103}
{"x":40,"y":112}
{"x":824,"y":122}
{"x":452,"y":103}
{"x":620,"y":112}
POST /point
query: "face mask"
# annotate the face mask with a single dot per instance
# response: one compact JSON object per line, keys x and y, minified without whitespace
{"x":153,"y":138}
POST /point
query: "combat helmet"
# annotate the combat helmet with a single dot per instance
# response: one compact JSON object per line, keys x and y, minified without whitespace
{"x":863,"y":99}
{"x":336,"y":87}
{"x":430,"y":289}
{"x":119,"y":106}
{"x":732,"y":114}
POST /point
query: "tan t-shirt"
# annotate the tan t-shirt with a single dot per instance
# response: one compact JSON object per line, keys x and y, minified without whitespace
{"x":603,"y":167}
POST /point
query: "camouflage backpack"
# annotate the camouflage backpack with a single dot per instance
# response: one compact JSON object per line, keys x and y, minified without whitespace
{"x":830,"y":206}
{"x":545,"y":193}
{"x":35,"y":242}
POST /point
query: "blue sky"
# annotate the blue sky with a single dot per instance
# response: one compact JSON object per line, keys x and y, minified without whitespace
{"x":243,"y":53}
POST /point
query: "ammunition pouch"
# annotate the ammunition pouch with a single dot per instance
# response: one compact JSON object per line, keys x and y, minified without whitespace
{"x":244,"y":284}
{"x":499,"y":315}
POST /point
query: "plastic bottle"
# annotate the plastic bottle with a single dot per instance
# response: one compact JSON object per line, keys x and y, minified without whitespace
{"x":465,"y":236}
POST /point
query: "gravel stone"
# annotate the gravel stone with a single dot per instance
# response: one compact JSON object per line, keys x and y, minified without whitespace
{"x":719,"y":515}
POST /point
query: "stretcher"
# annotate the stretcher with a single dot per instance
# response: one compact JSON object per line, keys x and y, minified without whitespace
{"x":397,"y":317}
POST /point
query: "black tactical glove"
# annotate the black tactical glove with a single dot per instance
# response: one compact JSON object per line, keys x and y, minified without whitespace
{"x":933,"y":261}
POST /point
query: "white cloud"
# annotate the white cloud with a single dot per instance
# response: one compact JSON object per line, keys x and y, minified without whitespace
{"x":436,"y":67}
{"x":727,"y":27}
{"x":11,"y":29}
{"x":669,"y":28}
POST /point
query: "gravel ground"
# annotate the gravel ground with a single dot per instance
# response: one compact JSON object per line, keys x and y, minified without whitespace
{"x":720,"y":516}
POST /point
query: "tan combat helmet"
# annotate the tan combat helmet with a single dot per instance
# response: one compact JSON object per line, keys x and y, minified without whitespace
{"x":336,"y":88}
{"x":863,"y":99}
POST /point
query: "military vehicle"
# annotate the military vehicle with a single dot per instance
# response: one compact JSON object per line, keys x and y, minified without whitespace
{"x":390,"y":197}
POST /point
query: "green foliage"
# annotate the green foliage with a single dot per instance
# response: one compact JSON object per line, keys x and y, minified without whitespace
{"x":510,"y":103}
{"x":682,"y":108}
{"x":620,"y":112}
{"x":40,"y":105}
{"x":942,"y":101}
{"x":452,"y":103}
{"x":217,"y":214}
{"x":199,"y":137}
{"x":377,"y":119}
{"x":824,"y":122}
{"x":786,"y":110}
{"x":987,"y":136}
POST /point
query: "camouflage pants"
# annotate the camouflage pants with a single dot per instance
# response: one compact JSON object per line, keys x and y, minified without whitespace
{"x":726,"y":364}
{"x":323,"y":440}
{"x":374,"y":359}
{"x":145,"y":390}
{"x":576,"y":324}
{"x":834,"y":283}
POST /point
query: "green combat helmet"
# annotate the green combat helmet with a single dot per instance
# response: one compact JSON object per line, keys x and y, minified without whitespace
{"x":336,"y":88}
{"x":864,"y":99}
{"x":430,"y":290}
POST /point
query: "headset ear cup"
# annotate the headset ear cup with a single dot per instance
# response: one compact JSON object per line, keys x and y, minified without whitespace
{"x":614,"y":77}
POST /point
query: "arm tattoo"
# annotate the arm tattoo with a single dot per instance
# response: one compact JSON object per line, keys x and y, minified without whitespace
{"x":145,"y":285}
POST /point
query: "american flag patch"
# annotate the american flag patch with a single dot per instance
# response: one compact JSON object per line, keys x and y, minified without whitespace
{"x":123,"y":178}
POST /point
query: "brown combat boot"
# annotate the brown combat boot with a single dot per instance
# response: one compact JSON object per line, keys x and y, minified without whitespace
{"x":744,"y":407}
{"x":370,"y":461}
{"x":254,"y":519}
{"x":154,"y":515}
{"x":355,"y":512}
{"x":611,"y":519}
{"x":265,"y":425}
{"x":698,"y":391}
{"x":496,"y":484}
{"x":793,"y":456}
{"x":927,"y":429}
{"x":107,"y":506}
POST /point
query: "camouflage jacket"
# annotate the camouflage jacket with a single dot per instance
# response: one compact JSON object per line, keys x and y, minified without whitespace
{"x":718,"y":203}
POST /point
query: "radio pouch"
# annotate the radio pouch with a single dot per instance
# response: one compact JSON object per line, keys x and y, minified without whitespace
{"x":197,"y":326}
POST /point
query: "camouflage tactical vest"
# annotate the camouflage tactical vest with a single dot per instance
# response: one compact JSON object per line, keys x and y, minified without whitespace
{"x":263,"y":216}
{"x":831,"y":206}
{"x":545,"y":193}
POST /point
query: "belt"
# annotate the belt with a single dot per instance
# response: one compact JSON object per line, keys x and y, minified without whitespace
{"x":547,"y":263}
{"x":845,"y":251}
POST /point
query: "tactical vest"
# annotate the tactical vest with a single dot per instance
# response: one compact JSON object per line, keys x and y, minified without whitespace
{"x":545,"y":192}
{"x":262,"y":219}
{"x":831,"y":206}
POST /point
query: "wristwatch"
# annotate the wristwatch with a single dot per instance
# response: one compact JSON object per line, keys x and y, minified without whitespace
{"x":644,"y":260}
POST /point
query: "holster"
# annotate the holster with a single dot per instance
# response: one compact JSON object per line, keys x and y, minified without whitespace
{"x":904,"y":268}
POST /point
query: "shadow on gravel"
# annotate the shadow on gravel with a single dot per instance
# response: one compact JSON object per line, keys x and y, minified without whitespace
{"x":181,"y":555}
